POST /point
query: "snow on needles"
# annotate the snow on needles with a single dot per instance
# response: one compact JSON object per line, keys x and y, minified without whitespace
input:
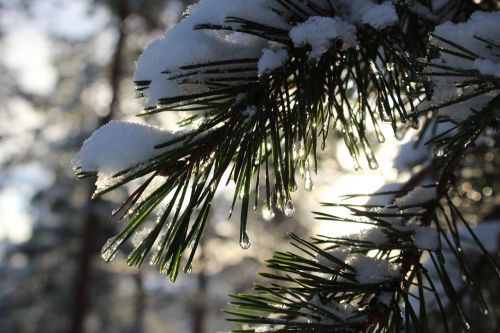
{"x":417,"y":196}
{"x":470,"y":35}
{"x":319,"y":32}
{"x":183,"y":45}
{"x":186,"y":45}
{"x":271,"y":60}
{"x":119,"y":145}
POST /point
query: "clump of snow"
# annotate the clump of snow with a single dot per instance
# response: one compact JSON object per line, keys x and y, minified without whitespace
{"x":426,"y":238}
{"x":140,"y":235}
{"x":341,"y":253}
{"x":380,"y":16}
{"x":216,"y":11}
{"x":421,"y":10}
{"x":368,"y":270}
{"x":366,"y":11}
{"x":374,"y":235}
{"x":385,"y":297}
{"x":341,"y":310}
{"x":419,"y":195}
{"x":249,"y":113}
{"x":119,"y":145}
{"x":371,"y":270}
{"x":186,"y":45}
{"x":182,"y":45}
{"x":319,"y":32}
{"x":271,"y":60}
{"x":487,"y":67}
{"x":483,"y":25}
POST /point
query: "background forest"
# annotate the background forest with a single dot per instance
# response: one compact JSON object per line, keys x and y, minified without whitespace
{"x":67,"y":68}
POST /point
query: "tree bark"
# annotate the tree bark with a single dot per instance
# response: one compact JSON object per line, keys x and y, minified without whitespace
{"x":92,"y":220}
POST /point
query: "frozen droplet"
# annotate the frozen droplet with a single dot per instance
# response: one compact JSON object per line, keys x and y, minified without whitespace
{"x":288,"y":208}
{"x":189,"y":270}
{"x":154,"y":258}
{"x":308,"y":183}
{"x":357,"y":167}
{"x":267,"y":213}
{"x":389,"y":66}
{"x":245,"y":241}
{"x":302,"y":152}
{"x":293,"y":186}
{"x":438,"y":152}
{"x":323,"y":146}
{"x":161,"y":242}
{"x":108,"y":251}
{"x":160,"y":211}
{"x":485,"y":311}
{"x":372,"y":163}
{"x":380,"y":137}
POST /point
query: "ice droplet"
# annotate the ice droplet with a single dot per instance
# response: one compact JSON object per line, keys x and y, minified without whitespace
{"x":267,"y":213}
{"x":154,"y":258}
{"x":108,"y":251}
{"x":189,"y":270}
{"x":357,"y":167}
{"x":160,"y":243}
{"x":389,"y":66}
{"x":245,"y":242}
{"x":372,"y":163}
{"x":288,"y":208}
{"x":293,"y":186}
{"x":308,"y":183}
{"x":438,"y":152}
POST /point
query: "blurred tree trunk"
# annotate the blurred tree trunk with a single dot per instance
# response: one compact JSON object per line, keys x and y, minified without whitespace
{"x":93,"y":218}
{"x":200,"y":310}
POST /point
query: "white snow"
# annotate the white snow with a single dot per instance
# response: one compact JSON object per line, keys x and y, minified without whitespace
{"x":375,"y":235}
{"x":341,"y":310}
{"x":249,"y":113}
{"x":368,"y":270}
{"x":271,"y":60}
{"x":385,"y":297}
{"x":216,"y":11}
{"x":371,"y":270}
{"x":119,"y":145}
{"x":487,"y":67}
{"x":419,"y":195}
{"x":380,"y":16}
{"x":341,"y":253}
{"x":183,"y":45}
{"x":140,"y":235}
{"x":366,"y":11}
{"x":483,"y":25}
{"x":426,"y":238}
{"x":319,"y":32}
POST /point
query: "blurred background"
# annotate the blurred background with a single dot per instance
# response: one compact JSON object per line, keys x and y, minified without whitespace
{"x":66,"y":69}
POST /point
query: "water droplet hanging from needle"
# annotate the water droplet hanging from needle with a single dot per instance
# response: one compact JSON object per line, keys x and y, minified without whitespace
{"x":245,"y":242}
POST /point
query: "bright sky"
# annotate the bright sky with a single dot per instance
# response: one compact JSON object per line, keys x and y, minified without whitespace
{"x":28,"y":52}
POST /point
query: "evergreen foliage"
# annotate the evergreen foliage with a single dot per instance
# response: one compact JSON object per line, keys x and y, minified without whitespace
{"x":267,"y":127}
